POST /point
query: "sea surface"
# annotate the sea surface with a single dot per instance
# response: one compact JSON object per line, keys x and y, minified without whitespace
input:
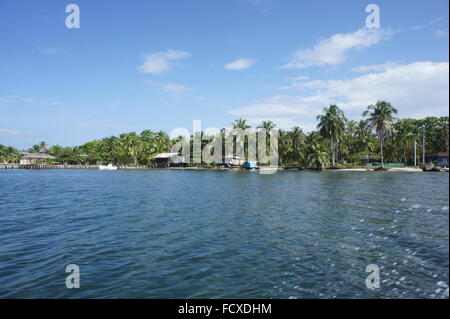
{"x":223,"y":234}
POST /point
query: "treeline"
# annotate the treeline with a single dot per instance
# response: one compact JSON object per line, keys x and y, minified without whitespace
{"x":378,"y":137}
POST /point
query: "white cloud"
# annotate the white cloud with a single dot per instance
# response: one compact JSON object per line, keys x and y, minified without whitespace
{"x":169,"y":87}
{"x":294,"y":84}
{"x":163,"y":61}
{"x":419,"y":27}
{"x":440,"y":33}
{"x":175,"y":87}
{"x":301,"y":78}
{"x":418,"y":89}
{"x":240,"y":64}
{"x":332,"y":50}
{"x":16,"y":99}
{"x":375,"y":67}
{"x":15,"y":133}
{"x":115,"y":103}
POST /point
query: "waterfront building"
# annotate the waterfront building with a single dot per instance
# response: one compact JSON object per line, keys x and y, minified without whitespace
{"x":36,"y":159}
{"x":439,"y":158}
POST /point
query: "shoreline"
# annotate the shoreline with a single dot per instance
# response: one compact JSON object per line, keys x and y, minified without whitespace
{"x":194,"y":168}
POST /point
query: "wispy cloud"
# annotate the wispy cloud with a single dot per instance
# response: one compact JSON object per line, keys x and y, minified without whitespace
{"x":240,"y":64}
{"x":175,"y":87}
{"x":419,"y":27}
{"x":294,"y":83}
{"x":333,"y":50}
{"x":47,"y":50}
{"x":169,"y":87}
{"x":50,"y":51}
{"x":162,"y":61}
{"x":375,"y":67}
{"x":115,"y":103}
{"x":16,"y":99}
{"x":15,"y":133}
{"x":440,"y":33}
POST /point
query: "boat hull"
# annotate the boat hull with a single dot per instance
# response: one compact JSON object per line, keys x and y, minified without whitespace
{"x":107,"y":168}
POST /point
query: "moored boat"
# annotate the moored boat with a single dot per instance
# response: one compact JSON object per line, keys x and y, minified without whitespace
{"x":109,"y":167}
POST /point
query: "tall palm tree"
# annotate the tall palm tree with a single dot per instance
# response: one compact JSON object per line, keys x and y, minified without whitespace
{"x":364,"y":136}
{"x":132,"y":145}
{"x":298,"y":138}
{"x":332,"y":126}
{"x":381,"y":119}
{"x":267,"y":125}
{"x":42,"y":147}
{"x":416,"y":132}
{"x":241,"y":123}
{"x":162,"y":141}
{"x":402,"y":139}
{"x":284,"y":146}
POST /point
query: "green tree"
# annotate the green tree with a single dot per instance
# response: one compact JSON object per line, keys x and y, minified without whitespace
{"x":241,"y":124}
{"x":9,"y":154}
{"x":332,"y":127}
{"x":318,"y":156}
{"x":381,"y":119}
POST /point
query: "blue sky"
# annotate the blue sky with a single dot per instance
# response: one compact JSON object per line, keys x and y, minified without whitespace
{"x":135,"y":65}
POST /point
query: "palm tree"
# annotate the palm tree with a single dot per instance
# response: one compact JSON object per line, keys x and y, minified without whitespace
{"x":109,"y":148}
{"x":132,"y":145}
{"x":284,"y":146}
{"x":162,"y":141}
{"x":402,"y":138}
{"x":42,"y":147}
{"x":298,"y":138}
{"x":332,"y":126}
{"x":362,"y":132}
{"x":416,"y":133}
{"x":241,"y":123}
{"x":267,"y":125}
{"x":9,"y":154}
{"x":318,"y":156}
{"x":381,"y":119}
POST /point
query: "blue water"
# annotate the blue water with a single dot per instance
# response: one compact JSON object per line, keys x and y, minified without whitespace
{"x":223,"y":234}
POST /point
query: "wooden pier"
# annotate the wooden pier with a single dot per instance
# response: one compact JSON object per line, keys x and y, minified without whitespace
{"x":45,"y":166}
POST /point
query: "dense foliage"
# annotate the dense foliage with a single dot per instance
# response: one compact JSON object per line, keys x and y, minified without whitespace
{"x":378,"y":137}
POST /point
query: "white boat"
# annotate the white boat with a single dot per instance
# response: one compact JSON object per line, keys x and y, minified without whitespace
{"x":109,"y":167}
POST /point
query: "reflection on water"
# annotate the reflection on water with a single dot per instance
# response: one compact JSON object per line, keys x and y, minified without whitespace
{"x":230,"y":234}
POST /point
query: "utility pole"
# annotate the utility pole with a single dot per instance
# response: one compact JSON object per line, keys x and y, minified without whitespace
{"x":423,"y":146}
{"x":415,"y":151}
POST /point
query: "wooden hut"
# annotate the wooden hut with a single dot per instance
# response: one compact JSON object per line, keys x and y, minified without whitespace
{"x":36,"y":159}
{"x":167,"y":160}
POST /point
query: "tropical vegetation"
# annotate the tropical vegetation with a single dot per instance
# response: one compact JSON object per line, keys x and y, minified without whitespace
{"x":379,"y":137}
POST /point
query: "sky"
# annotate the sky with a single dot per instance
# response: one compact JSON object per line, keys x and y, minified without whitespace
{"x":159,"y":65}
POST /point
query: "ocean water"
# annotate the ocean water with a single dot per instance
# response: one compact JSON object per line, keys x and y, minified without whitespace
{"x":223,"y":234}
